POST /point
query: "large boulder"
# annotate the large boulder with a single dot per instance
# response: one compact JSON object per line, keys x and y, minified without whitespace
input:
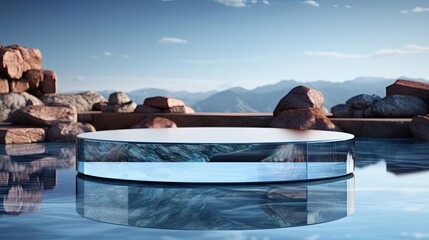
{"x":34,"y":77}
{"x":407,"y":87}
{"x":44,"y":115}
{"x":11,"y":135}
{"x":18,"y":86}
{"x":362,"y":101}
{"x":15,"y":60}
{"x":179,"y":109}
{"x":163,"y":102}
{"x":303,"y":119}
{"x":397,"y":106}
{"x":300,"y":97}
{"x":82,"y":101}
{"x":67,"y":132}
{"x":156,"y":122}
{"x":342,"y":111}
{"x":420,"y":127}
{"x":13,"y":101}
{"x":147,"y":109}
{"x":118,"y":98}
{"x":49,"y":84}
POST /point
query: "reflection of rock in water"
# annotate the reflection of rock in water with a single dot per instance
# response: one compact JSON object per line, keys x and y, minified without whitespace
{"x":28,"y":169}
{"x":212,"y":207}
{"x":287,"y":153}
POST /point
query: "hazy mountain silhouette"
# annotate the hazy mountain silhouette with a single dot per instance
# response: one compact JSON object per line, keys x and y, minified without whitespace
{"x":266,"y":97}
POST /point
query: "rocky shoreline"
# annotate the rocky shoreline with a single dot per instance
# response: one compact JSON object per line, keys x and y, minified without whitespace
{"x":32,"y":111}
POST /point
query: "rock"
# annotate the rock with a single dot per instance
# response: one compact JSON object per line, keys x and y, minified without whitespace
{"x":127,"y":107}
{"x":18,"y":86}
{"x":24,"y":149}
{"x":118,"y":98}
{"x":9,"y":135}
{"x":44,"y":115}
{"x":34,"y":77}
{"x":146,"y":109}
{"x":306,"y":118}
{"x":67,"y":132}
{"x":15,"y":60}
{"x":179,"y":109}
{"x":407,"y":87}
{"x":362,"y":101}
{"x":82,"y":101}
{"x":13,"y":101}
{"x":420,"y":127}
{"x":49,"y":84}
{"x":156,"y":122}
{"x":397,"y":106}
{"x":163,"y":102}
{"x":4,"y":86}
{"x":342,"y":111}
{"x":300,"y":97}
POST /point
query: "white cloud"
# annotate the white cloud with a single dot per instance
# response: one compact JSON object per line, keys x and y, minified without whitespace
{"x":348,"y":6}
{"x":172,"y":40}
{"x":106,"y":53}
{"x":335,"y":6}
{"x":254,"y":1}
{"x":266,"y":2}
{"x":415,"y":10}
{"x":420,"y":10}
{"x":407,"y":49}
{"x":311,"y":3}
{"x":419,"y":235}
{"x":78,"y":78}
{"x":95,"y":57}
{"x":232,"y":3}
{"x":125,"y":56}
{"x":416,"y":47}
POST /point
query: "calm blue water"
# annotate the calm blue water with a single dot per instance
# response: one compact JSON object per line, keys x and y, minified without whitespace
{"x":387,"y":198}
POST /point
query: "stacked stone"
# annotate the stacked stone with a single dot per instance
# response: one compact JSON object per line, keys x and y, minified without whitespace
{"x":404,"y":99}
{"x":118,"y":102}
{"x":160,"y":104}
{"x":302,"y":108}
{"x":21,"y":71}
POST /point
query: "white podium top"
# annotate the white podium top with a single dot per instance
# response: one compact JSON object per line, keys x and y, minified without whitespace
{"x":216,"y":135}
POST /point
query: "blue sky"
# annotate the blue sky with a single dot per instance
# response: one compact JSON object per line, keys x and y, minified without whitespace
{"x":215,"y":44}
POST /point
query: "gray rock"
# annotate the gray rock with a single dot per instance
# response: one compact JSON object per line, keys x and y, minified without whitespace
{"x":397,"y":106}
{"x":342,"y":111}
{"x":118,"y":98}
{"x":126,"y":107}
{"x":83,"y":101}
{"x":11,"y":102}
{"x":362,"y":101}
{"x":64,"y":132}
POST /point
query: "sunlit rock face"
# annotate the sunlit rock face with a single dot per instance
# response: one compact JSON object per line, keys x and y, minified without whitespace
{"x":26,"y":170}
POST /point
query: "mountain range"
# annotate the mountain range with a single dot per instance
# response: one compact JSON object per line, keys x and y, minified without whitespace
{"x":266,"y":97}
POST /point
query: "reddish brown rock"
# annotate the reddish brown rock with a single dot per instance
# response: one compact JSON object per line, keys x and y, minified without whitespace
{"x":18,"y":86}
{"x":163,"y":102}
{"x":44,"y":115}
{"x":146,"y":109}
{"x":156,"y":122}
{"x":4,"y":86}
{"x":179,"y":109}
{"x":9,"y":135}
{"x":15,"y":60}
{"x":300,"y":97}
{"x":302,"y":119}
{"x":49,"y":84}
{"x":67,"y":132}
{"x":34,"y":77}
{"x":407,"y":87}
{"x":420,"y":127}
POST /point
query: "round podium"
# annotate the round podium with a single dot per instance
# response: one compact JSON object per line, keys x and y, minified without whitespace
{"x":215,"y":155}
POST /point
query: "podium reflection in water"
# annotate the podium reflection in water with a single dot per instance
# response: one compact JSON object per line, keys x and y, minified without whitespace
{"x":214,"y":207}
